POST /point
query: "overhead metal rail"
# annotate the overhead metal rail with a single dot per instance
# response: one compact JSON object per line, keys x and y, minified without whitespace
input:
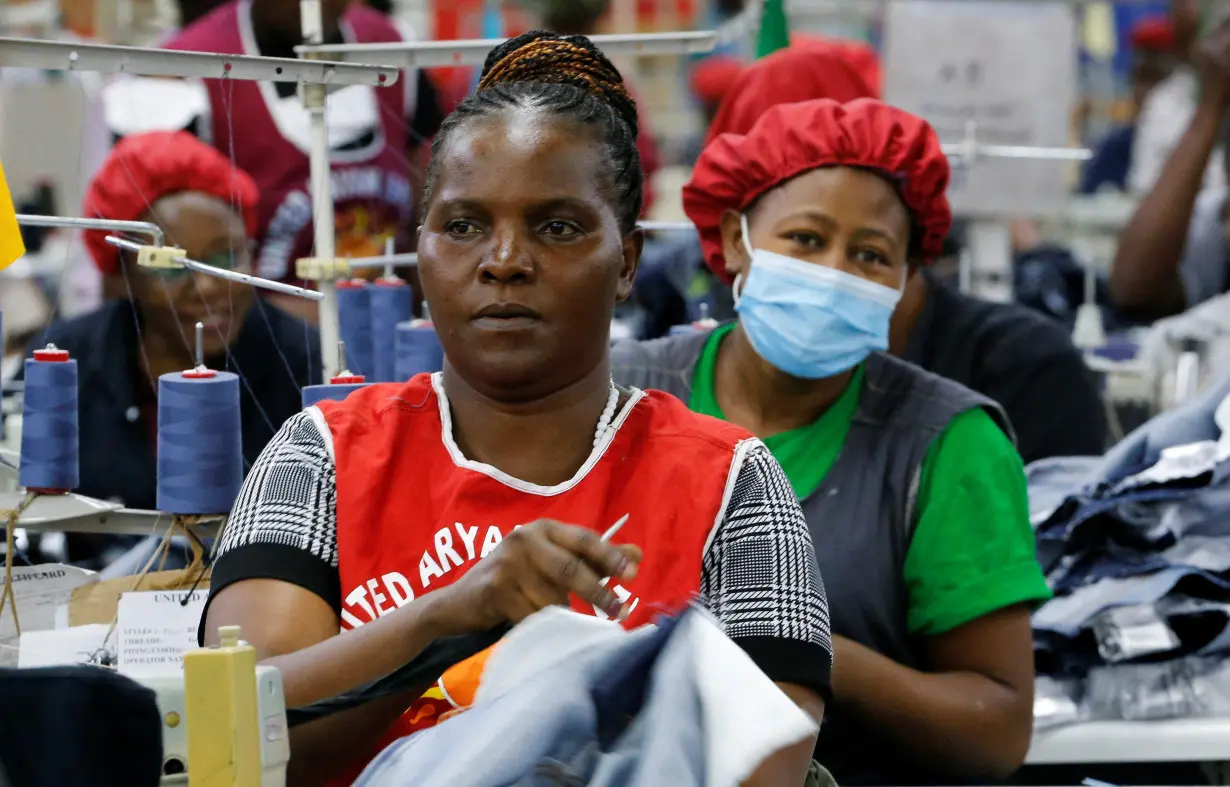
{"x":427,"y":54}
{"x":148,"y":61}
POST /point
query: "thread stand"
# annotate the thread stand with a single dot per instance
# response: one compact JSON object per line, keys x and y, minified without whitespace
{"x":339,"y":386}
{"x":171,"y":258}
{"x":200,"y":439}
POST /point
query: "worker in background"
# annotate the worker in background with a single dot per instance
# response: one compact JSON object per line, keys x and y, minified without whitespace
{"x":1014,"y":355}
{"x":1169,"y":108}
{"x":192,"y":10}
{"x":582,"y":17}
{"x":376,"y":134}
{"x":674,"y":280}
{"x":1153,"y":59}
{"x":673,"y":286}
{"x":1172,"y":254}
{"x":372,"y":518}
{"x":710,"y":81}
{"x":820,"y":215}
{"x":209,"y":209}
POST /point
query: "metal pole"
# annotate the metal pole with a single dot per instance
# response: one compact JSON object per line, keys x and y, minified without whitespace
{"x":385,"y":261}
{"x":963,"y":150}
{"x":153,"y":231}
{"x":148,"y":61}
{"x":322,"y":193}
{"x":223,"y":273}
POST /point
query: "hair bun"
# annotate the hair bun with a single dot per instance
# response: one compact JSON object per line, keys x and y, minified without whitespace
{"x":543,"y":57}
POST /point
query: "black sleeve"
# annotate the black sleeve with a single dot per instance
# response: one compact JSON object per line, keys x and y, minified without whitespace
{"x":761,"y":579}
{"x":284,"y":523}
{"x":1050,"y":395}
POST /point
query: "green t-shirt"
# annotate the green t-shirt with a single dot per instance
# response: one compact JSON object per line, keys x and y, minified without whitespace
{"x":973,"y":548}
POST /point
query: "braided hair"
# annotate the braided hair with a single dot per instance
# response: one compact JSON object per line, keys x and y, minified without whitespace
{"x":566,"y":76}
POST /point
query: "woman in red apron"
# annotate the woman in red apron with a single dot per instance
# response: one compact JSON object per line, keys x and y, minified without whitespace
{"x":417,"y":510}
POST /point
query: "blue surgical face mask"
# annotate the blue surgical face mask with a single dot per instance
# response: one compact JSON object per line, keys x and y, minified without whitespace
{"x":810,"y":321}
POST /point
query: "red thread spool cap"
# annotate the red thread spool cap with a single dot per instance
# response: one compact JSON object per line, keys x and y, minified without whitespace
{"x":351,"y":284}
{"x":347,"y":379}
{"x":199,"y":374}
{"x":390,"y":281}
{"x":51,"y":356}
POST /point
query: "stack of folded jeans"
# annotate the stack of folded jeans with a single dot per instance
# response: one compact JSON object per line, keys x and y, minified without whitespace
{"x":1136,"y":546}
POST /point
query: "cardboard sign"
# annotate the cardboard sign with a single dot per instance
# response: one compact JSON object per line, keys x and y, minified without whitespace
{"x":1008,"y":68}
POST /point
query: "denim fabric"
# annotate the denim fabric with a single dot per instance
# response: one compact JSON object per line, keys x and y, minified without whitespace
{"x":621,"y":716}
{"x":1129,"y":494}
{"x":1148,"y":524}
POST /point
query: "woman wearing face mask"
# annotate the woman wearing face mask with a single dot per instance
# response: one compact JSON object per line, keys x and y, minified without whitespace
{"x":911,"y":486}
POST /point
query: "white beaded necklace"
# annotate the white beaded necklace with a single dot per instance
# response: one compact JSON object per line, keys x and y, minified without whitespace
{"x":608,"y":415}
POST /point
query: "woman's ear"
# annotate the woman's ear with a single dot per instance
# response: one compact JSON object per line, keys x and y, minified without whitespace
{"x":734,"y":246}
{"x":633,"y":247}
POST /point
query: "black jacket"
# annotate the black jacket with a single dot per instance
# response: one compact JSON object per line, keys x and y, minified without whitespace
{"x":1021,"y":359}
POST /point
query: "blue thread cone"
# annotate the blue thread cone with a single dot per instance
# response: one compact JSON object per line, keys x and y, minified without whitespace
{"x":200,"y":443}
{"x":50,"y":438}
{"x":391,"y":305}
{"x":354,"y":322}
{"x":336,"y":393}
{"x":418,"y":349}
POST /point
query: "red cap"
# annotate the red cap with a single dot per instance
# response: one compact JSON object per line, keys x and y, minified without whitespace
{"x":791,"y":139}
{"x":787,"y":76}
{"x":390,"y":281}
{"x":347,"y":379}
{"x":712,"y":77}
{"x":142,"y":168}
{"x":199,"y":374}
{"x":351,"y":284}
{"x":1155,"y":34}
{"x":51,"y":355}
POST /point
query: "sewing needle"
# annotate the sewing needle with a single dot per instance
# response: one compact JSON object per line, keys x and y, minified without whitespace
{"x":613,"y":529}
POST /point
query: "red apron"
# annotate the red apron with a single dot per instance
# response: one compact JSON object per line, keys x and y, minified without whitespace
{"x":413,"y":515}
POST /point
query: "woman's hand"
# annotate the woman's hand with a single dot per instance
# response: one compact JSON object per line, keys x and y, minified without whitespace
{"x":537,"y":565}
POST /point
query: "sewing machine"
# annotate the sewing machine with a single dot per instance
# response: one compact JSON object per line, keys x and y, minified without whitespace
{"x":223,"y":720}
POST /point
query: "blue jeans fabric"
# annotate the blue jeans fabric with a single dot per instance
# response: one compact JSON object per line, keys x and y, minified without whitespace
{"x":624,"y":716}
{"x":1134,"y":528}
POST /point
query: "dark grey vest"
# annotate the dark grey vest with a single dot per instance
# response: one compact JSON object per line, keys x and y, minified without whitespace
{"x":861,"y":519}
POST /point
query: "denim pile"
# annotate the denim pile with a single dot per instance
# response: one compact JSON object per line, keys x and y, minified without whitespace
{"x":1136,"y":546}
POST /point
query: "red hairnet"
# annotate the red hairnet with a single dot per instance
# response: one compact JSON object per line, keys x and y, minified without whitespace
{"x":791,"y":139}
{"x":861,"y":56}
{"x":143,"y":168}
{"x":1155,"y":34}
{"x":712,"y":77}
{"x":790,"y":75}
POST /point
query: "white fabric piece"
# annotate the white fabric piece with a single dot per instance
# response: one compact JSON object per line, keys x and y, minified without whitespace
{"x":1164,"y":116}
{"x":352,"y":112}
{"x":747,"y":717}
{"x":133,"y":104}
{"x":1208,"y":324}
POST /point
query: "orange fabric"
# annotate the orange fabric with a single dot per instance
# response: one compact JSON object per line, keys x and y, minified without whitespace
{"x":410,"y":520}
{"x":796,"y":74}
{"x":460,"y":682}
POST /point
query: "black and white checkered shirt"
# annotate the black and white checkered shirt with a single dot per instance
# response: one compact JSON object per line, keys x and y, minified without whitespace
{"x":760,"y":578}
